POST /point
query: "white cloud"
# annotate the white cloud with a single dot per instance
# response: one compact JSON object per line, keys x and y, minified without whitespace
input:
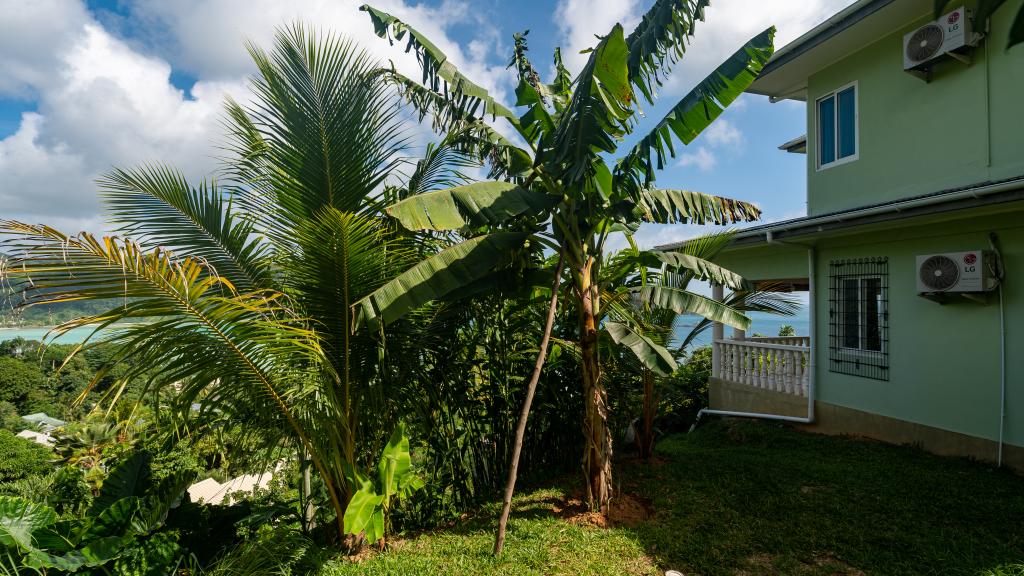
{"x":580,"y":20}
{"x":32,"y":37}
{"x":207,"y":37}
{"x":729,"y":23}
{"x":703,"y":159}
{"x":103,"y":101}
{"x":723,"y":133}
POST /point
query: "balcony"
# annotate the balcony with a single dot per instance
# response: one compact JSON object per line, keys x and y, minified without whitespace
{"x":779,"y":364}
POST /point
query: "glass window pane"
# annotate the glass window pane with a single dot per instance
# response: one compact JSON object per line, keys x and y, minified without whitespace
{"x":873,"y":314}
{"x":850,"y":328}
{"x":847,"y":123}
{"x":826,"y":130}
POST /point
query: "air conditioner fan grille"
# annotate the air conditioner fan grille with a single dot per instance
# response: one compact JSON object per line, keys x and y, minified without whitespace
{"x":925,"y":43}
{"x":939,"y":273}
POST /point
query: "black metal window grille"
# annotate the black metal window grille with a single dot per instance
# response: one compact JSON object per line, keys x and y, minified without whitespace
{"x":858,"y":301}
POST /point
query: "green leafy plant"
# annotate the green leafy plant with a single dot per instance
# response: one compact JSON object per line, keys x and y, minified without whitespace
{"x":122,"y":522}
{"x":369,"y":509}
{"x":568,"y":174}
{"x":234,"y":295}
{"x":21,"y":458}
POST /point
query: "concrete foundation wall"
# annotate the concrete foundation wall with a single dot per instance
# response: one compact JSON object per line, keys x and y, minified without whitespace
{"x":834,"y":419}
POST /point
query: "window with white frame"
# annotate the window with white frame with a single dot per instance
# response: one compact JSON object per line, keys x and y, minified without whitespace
{"x":859,"y":317}
{"x":837,"y":127}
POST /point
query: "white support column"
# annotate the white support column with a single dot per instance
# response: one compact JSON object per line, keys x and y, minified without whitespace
{"x":717,"y":333}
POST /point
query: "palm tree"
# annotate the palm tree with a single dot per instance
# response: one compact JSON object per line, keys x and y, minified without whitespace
{"x":246,"y":284}
{"x":565,"y":186}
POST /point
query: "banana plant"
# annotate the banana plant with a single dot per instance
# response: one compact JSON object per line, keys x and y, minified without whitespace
{"x":569,"y":182}
{"x":368,"y":511}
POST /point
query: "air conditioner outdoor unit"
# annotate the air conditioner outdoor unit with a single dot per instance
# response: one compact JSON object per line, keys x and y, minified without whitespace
{"x":950,"y":34}
{"x":962,"y":272}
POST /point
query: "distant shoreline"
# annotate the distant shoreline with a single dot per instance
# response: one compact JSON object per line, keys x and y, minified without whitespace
{"x":71,"y":336}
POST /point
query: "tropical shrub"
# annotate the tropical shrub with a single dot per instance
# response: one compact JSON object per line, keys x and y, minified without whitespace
{"x":21,"y":458}
{"x":120,"y":530}
{"x":18,"y":379}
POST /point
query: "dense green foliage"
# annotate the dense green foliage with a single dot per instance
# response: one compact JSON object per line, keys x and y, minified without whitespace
{"x":569,"y":188}
{"x":360,"y":322}
{"x":36,"y":378}
{"x":20,"y":458}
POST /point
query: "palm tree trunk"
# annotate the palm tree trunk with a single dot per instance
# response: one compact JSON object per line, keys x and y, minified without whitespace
{"x":646,"y":436}
{"x":597,"y":455}
{"x":524,"y":415}
{"x":305,"y":494}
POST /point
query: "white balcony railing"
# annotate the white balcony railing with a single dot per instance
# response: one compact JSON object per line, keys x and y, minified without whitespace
{"x":804,"y":341}
{"x":755,"y":362}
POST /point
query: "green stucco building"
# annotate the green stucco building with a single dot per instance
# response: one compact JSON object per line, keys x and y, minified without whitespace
{"x":915,"y":149}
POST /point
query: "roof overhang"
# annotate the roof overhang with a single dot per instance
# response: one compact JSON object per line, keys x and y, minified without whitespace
{"x":863,"y":22}
{"x":986,"y":194}
{"x":797,"y":145}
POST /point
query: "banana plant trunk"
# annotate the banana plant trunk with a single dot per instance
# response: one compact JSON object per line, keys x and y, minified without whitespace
{"x":597,"y":457}
{"x":645,"y":439}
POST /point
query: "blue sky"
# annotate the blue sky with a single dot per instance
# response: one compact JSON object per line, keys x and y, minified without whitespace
{"x":89,"y":85}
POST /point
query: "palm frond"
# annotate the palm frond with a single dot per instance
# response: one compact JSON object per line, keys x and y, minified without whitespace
{"x":653,"y":356}
{"x":155,"y":206}
{"x":319,"y":132}
{"x":440,"y":167}
{"x":685,"y":302}
{"x":766,"y":299}
{"x":698,"y":268}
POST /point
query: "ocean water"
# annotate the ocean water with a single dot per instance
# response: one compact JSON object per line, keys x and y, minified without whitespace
{"x":761,"y":323}
{"x":73,"y":336}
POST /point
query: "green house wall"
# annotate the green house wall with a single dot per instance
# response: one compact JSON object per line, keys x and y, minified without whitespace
{"x":944,"y":359}
{"x":963,"y":127}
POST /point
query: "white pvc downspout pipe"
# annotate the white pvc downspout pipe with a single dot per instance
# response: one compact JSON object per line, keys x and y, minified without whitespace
{"x":809,"y":419}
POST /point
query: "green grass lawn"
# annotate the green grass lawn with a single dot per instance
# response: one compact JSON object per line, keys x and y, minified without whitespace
{"x":754,"y":498}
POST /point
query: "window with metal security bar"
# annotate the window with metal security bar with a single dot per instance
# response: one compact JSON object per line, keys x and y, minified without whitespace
{"x":858,"y":312}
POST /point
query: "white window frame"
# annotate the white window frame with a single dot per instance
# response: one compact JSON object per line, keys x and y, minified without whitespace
{"x":835,"y":122}
{"x":862,"y":327}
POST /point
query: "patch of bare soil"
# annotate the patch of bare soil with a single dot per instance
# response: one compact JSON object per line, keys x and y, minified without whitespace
{"x":624,"y":510}
{"x":628,"y":510}
{"x":575,"y":511}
